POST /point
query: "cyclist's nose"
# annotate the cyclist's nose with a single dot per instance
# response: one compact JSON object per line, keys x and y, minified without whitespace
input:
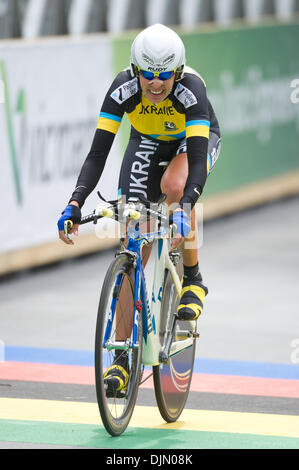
{"x":156,"y":82}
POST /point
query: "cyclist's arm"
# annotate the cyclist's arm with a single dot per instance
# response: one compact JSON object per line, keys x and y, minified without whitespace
{"x":197,"y":134}
{"x":197,"y":149}
{"x":108,"y":124}
{"x":89,"y":176}
{"x":93,"y":166}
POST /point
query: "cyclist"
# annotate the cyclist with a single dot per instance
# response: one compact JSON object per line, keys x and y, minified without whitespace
{"x":171,"y":120}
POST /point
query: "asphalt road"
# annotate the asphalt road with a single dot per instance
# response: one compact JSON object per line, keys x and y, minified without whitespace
{"x":250,"y":262}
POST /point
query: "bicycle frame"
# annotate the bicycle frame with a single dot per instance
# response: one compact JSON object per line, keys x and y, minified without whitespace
{"x":161,"y":336}
{"x":151,"y":311}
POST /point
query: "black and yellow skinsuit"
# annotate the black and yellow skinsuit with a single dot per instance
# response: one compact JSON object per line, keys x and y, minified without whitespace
{"x":184,"y":121}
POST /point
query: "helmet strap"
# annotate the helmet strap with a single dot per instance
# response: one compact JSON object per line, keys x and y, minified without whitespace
{"x":179,"y":73}
{"x":134,"y":70}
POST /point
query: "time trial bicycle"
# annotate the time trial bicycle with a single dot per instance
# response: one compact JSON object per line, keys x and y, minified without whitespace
{"x":145,"y":328}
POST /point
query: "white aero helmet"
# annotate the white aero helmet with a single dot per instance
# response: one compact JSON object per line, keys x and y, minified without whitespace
{"x":158,"y":49}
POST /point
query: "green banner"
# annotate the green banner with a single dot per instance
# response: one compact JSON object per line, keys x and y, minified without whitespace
{"x":252,"y":76}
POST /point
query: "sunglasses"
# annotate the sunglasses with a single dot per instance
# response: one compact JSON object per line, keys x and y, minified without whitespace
{"x":151,"y":75}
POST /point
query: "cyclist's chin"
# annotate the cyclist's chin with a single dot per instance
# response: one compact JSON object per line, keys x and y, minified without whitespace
{"x":156,"y":98}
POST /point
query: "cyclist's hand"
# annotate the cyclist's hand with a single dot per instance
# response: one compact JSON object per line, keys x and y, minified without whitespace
{"x":73,"y":213}
{"x":182,"y":225}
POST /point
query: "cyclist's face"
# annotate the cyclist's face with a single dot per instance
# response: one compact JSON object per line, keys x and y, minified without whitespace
{"x":156,"y":90}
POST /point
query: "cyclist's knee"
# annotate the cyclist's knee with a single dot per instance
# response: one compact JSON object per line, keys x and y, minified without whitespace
{"x":173,"y":188}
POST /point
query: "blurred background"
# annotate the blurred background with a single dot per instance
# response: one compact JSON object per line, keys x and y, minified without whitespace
{"x":57,"y":60}
{"x":35,"y":18}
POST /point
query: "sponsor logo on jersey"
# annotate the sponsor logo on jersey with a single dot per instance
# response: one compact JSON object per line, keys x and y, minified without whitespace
{"x":215,"y":153}
{"x":170,"y":126}
{"x":125,"y":91}
{"x":185,"y":96}
{"x":166,"y":110}
{"x":139,"y":171}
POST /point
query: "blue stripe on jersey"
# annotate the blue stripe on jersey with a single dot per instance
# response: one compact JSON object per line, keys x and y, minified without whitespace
{"x":210,"y":163}
{"x":181,"y":135}
{"x":113,"y":117}
{"x":198,"y":123}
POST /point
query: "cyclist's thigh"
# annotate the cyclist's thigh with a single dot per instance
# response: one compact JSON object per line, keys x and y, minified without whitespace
{"x":140,"y":172}
{"x":214,"y":148}
{"x":174,"y":179}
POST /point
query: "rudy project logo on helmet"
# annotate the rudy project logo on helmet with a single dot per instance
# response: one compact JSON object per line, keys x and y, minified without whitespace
{"x":157,"y":69}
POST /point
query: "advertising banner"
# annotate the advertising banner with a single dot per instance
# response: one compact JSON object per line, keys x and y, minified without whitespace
{"x":51,"y":91}
{"x":50,"y":97}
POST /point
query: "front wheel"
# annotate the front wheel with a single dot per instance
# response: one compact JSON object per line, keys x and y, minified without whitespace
{"x":114,"y":331}
{"x":172,"y":380}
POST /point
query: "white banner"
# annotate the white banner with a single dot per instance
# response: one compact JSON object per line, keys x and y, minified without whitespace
{"x":51,"y":92}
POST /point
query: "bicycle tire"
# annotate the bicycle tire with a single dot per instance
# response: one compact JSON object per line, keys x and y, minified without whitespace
{"x":172,"y":380}
{"x":116,"y":411}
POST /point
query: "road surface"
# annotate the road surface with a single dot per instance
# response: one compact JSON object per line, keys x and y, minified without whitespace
{"x":246,"y":387}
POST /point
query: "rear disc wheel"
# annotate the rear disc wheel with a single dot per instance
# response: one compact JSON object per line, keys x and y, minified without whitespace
{"x":172,"y":380}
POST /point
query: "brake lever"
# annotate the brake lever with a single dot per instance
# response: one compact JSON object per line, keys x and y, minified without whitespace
{"x":147,"y":203}
{"x":112,"y":203}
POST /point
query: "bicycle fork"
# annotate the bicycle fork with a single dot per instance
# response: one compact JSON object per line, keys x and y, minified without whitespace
{"x":127,"y":344}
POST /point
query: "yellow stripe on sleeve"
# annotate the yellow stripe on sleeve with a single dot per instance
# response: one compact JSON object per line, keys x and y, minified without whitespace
{"x":198,"y":131}
{"x":108,"y":125}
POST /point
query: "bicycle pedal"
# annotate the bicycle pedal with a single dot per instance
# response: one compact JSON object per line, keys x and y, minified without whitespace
{"x":120,"y":394}
{"x":111,"y":392}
